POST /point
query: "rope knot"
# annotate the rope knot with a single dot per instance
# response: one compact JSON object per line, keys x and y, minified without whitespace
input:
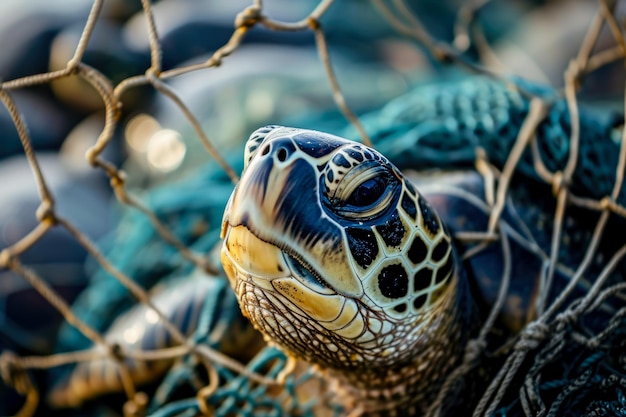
{"x":13,"y":374}
{"x":7,"y":366}
{"x":607,"y":203}
{"x":558,"y":183}
{"x":313,"y":23}
{"x":116,"y":351}
{"x":248,"y":17}
{"x":136,"y":406}
{"x":532,"y":336}
{"x":566,"y":318}
{"x":6,"y":258}
{"x":45,"y":213}
{"x":473,"y":350}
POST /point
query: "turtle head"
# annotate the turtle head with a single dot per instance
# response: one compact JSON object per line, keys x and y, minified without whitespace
{"x":333,"y":254}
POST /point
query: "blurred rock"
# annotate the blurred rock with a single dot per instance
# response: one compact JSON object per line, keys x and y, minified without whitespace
{"x":29,"y":322}
{"x":544,"y":42}
{"x":84,"y":136}
{"x":27,"y":34}
{"x":357,"y":26}
{"x":47,"y":123}
{"x":121,"y":10}
{"x":190,"y":28}
{"x":108,"y":53}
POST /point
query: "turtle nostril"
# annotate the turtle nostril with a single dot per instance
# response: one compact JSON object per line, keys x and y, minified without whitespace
{"x":265,"y":150}
{"x":281,"y":154}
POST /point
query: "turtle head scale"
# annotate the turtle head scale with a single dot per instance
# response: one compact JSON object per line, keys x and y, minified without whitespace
{"x":337,"y":259}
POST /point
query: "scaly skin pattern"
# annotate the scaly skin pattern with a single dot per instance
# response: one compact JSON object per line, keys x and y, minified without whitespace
{"x":407,"y":388}
{"x":338,"y":260}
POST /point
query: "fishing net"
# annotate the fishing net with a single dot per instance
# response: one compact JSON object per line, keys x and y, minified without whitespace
{"x":478,"y":110}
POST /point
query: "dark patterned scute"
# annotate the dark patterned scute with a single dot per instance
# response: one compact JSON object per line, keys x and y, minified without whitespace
{"x":400,"y":308}
{"x":410,"y":187}
{"x":445,"y":269}
{"x":440,"y":250}
{"x":341,"y":161}
{"x":393,"y":281}
{"x":409,"y":206}
{"x":419,"y":301}
{"x":422,"y":279}
{"x":311,"y":144}
{"x":392,"y":231}
{"x":363,"y":245}
{"x":355,"y":155}
{"x":418,"y":250}
{"x":428,"y":215}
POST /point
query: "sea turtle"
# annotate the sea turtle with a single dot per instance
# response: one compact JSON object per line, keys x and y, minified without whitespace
{"x":373,"y":259}
{"x":340,"y":260}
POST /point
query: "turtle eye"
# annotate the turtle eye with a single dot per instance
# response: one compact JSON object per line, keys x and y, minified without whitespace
{"x":367,"y":193}
{"x":363,"y":192}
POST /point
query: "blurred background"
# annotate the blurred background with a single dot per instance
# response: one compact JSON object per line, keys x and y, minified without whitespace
{"x":272,"y":78}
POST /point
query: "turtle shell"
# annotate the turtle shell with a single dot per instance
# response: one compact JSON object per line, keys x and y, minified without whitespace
{"x":523,"y":236}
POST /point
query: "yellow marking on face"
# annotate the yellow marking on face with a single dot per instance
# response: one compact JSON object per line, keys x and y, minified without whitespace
{"x":255,"y":256}
{"x":347,"y":314}
{"x":374,"y":325}
{"x":320,"y":307}
{"x":229,"y":267}
{"x":332,"y":262}
{"x":353,"y":330}
{"x":262,"y":283}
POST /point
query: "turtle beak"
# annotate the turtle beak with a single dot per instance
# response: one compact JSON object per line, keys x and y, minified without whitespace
{"x":243,"y":251}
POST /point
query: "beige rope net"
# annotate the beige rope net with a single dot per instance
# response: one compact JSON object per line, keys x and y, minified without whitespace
{"x":553,"y":318}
